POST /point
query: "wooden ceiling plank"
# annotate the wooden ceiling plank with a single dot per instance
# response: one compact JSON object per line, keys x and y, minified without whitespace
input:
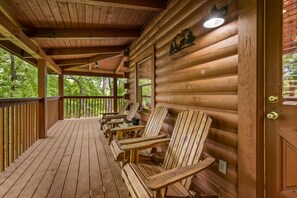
{"x":31,"y":15}
{"x":156,"y":5}
{"x":38,"y":13}
{"x":43,"y":33}
{"x":56,"y":13}
{"x":102,"y":18}
{"x":47,"y":13}
{"x":96,"y":17}
{"x":85,"y":50}
{"x":81,"y":15}
{"x":65,"y":14}
{"x":10,"y":30}
{"x":89,"y":16}
{"x":73,"y":15}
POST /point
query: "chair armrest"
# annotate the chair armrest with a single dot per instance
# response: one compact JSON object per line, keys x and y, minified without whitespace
{"x":166,"y":178}
{"x":129,"y":128}
{"x":140,"y":139}
{"x":146,"y":144}
{"x":116,"y":122}
{"x":115,"y":117}
{"x":105,"y":114}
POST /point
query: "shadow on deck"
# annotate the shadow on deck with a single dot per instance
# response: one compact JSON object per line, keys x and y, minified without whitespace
{"x":73,"y":161}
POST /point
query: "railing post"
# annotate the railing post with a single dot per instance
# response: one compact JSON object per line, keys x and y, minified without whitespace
{"x":61,"y":99}
{"x":42,"y":92}
{"x":115,"y":94}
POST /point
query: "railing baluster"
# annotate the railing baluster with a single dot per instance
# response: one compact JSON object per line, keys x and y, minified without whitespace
{"x":1,"y":139}
{"x":12,"y":135}
{"x":6,"y":136}
{"x":89,"y":106}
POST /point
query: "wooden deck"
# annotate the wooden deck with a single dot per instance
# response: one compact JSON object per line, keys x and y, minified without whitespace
{"x":73,"y":161}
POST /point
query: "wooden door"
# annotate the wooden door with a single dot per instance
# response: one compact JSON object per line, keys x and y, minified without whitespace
{"x":281,"y":98}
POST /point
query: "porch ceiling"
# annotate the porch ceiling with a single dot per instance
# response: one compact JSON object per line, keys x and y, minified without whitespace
{"x":72,"y":31}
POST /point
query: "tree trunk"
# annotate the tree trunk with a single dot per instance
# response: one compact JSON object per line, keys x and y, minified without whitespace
{"x":13,"y":74}
{"x":82,"y":93}
{"x":105,"y":93}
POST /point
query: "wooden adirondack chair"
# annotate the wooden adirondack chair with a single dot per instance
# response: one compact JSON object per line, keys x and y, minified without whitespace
{"x":108,"y":116}
{"x":114,"y":122}
{"x":181,"y":162}
{"x":151,"y":131}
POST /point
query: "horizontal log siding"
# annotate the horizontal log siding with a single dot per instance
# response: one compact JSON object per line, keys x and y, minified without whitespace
{"x":203,"y":76}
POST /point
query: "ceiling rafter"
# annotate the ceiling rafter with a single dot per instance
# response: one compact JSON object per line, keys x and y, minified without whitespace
{"x":84,"y":50}
{"x":45,"y":33}
{"x":10,"y":30}
{"x":92,"y":73}
{"x":156,"y":5}
{"x":77,"y":62}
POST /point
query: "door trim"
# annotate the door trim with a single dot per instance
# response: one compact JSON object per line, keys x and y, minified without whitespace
{"x":251,"y":99}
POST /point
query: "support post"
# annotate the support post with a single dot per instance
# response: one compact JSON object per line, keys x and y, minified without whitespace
{"x":61,"y":99}
{"x":42,"y":92}
{"x":115,"y":94}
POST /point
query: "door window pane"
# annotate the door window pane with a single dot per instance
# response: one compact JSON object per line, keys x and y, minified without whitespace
{"x":289,"y":91}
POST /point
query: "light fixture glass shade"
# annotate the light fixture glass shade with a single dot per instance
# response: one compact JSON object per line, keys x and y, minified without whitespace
{"x":213,"y":22}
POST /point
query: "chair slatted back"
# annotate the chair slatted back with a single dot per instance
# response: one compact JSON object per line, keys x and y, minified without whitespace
{"x":124,"y":107}
{"x":154,"y":124}
{"x":187,"y":141}
{"x":132,"y":111}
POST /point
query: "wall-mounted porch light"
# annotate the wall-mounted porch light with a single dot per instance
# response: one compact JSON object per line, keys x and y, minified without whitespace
{"x":216,"y":17}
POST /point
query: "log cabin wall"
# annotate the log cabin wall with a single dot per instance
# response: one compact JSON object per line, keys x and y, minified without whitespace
{"x":203,"y":76}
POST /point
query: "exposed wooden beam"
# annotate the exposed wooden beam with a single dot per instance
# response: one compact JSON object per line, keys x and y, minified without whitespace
{"x":71,"y":66}
{"x":12,"y":48}
{"x":41,"y":33}
{"x":119,"y":66}
{"x":156,"y":5}
{"x":77,"y":62}
{"x":84,"y":50}
{"x":10,"y":30}
{"x":87,"y":73}
{"x":102,"y":57}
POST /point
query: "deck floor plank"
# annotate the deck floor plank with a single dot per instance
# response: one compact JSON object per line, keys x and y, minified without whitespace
{"x":114,"y":166}
{"x":109,"y":185}
{"x":56,"y":189}
{"x":83,"y":176}
{"x":73,"y":161}
{"x":96,"y":185}
{"x":25,"y":168}
{"x":36,"y":170}
{"x":8,"y":171}
{"x":53,"y":164}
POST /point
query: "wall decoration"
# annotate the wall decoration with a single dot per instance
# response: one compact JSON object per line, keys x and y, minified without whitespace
{"x":182,"y":40}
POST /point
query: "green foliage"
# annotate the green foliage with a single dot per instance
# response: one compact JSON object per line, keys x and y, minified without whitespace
{"x":289,"y":74}
{"x":52,"y":85}
{"x":19,"y":79}
{"x":25,"y":84}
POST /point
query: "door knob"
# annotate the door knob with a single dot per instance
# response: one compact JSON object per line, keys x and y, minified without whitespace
{"x":273,"y":99}
{"x":272,"y":115}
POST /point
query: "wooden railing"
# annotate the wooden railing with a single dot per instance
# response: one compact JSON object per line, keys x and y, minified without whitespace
{"x":52,"y":111}
{"x":89,"y":106}
{"x":18,"y":128}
